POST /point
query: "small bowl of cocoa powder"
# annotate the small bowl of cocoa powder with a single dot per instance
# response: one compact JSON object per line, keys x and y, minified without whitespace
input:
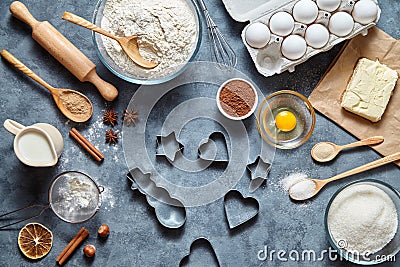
{"x":237,"y":99}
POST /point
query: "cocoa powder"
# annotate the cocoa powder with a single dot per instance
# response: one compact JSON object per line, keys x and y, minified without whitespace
{"x":237,"y":98}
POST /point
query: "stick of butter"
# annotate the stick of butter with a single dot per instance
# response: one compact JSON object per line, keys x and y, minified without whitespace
{"x":369,"y":90}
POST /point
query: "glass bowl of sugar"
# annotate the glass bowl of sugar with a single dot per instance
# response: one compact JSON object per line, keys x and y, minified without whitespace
{"x":362,"y":223}
{"x":169,"y":33}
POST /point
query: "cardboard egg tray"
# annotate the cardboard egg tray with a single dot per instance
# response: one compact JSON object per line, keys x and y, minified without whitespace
{"x":269,"y":59}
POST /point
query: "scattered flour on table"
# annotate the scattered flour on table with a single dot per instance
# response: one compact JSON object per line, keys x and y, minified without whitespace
{"x":107,"y":198}
{"x":96,"y":135}
{"x":167,"y":30}
{"x":96,"y":132}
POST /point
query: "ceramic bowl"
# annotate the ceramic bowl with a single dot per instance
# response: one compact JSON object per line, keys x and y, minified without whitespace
{"x":389,"y":251}
{"x":118,"y":71}
{"x":241,"y":117}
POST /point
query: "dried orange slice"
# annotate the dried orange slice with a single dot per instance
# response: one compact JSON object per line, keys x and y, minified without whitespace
{"x":35,"y":240}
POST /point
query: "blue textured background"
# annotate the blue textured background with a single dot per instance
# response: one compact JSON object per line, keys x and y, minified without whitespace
{"x":136,"y":238}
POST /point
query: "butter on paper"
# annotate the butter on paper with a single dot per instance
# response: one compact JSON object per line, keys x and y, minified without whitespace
{"x":369,"y":90}
{"x":326,"y":97}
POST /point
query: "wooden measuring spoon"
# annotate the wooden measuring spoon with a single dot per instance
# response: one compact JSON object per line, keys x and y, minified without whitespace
{"x":311,"y":187}
{"x":128,"y":43}
{"x":326,"y":151}
{"x":65,"y":98}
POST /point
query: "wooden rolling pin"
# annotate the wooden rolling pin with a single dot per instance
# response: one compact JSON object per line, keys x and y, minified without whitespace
{"x":63,"y":50}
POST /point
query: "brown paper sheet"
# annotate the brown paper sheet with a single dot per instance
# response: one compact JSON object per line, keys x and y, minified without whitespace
{"x":326,"y":97}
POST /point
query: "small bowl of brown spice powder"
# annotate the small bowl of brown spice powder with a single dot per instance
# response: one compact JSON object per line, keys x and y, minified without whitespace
{"x":237,"y":99}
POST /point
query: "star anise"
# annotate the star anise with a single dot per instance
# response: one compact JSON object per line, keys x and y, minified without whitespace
{"x":111,"y":136}
{"x":110,"y":117}
{"x":129,"y":117}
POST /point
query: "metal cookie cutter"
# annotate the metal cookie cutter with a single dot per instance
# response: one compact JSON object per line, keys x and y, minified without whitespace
{"x":172,"y":149}
{"x":191,"y":260}
{"x":239,"y":209}
{"x":168,"y":146}
{"x":170,"y":216}
{"x":259,"y":171}
{"x":208,"y":149}
{"x":208,"y":153}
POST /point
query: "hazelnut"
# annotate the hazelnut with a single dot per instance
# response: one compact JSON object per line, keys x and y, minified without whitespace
{"x":104,"y":230}
{"x":89,"y":250}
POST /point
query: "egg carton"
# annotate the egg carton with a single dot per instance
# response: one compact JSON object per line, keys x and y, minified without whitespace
{"x":269,"y":59}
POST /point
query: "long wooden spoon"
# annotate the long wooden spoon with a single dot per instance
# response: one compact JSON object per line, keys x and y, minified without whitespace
{"x":128,"y":43}
{"x":326,"y":151}
{"x":74,"y":105}
{"x":307,"y":188}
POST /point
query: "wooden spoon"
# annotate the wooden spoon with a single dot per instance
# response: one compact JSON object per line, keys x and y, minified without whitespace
{"x":68,"y":109}
{"x":332,"y":149}
{"x":319,"y":184}
{"x":128,"y":43}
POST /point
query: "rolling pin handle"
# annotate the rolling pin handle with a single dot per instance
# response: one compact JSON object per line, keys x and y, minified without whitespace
{"x":21,"y":12}
{"x":107,"y":90}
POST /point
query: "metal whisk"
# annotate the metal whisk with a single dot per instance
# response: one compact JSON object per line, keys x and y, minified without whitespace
{"x":221,"y":51}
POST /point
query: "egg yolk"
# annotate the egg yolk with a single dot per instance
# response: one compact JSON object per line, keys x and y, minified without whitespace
{"x":285,"y":121}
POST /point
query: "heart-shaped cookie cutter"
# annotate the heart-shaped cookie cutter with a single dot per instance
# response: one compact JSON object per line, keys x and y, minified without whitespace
{"x":239,"y":209}
{"x":186,"y":260}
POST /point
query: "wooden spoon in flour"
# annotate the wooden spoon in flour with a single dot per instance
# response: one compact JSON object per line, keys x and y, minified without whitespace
{"x":74,"y":105}
{"x":128,"y":43}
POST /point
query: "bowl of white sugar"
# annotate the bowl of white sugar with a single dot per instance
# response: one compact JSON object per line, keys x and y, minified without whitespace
{"x":169,"y":34}
{"x":362,"y":222}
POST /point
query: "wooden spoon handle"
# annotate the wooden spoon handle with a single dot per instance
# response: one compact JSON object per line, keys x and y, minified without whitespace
{"x":368,"y":141}
{"x":368,"y":166}
{"x":28,"y":72}
{"x":21,"y":12}
{"x":86,"y":24}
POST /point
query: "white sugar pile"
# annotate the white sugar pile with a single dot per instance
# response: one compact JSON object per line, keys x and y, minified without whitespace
{"x":364,"y":217}
{"x":303,"y":189}
{"x":291,"y":179}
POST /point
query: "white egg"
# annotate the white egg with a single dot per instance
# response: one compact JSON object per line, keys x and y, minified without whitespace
{"x":257,"y":35}
{"x":305,"y":11}
{"x":294,"y":47}
{"x":365,"y":11}
{"x":317,"y":36}
{"x":281,"y":23}
{"x":328,"y":5}
{"x":341,"y":24}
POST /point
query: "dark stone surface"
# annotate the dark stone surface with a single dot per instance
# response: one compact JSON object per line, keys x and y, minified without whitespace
{"x":136,"y":238}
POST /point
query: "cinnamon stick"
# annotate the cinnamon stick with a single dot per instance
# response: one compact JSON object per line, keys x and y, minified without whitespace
{"x":89,"y":147}
{"x":71,"y":247}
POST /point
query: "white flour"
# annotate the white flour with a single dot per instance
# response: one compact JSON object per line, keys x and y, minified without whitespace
{"x":169,"y":29}
{"x":76,"y":197}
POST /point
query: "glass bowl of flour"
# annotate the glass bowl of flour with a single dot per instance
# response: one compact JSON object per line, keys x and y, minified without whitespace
{"x":362,"y":222}
{"x":169,"y":34}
